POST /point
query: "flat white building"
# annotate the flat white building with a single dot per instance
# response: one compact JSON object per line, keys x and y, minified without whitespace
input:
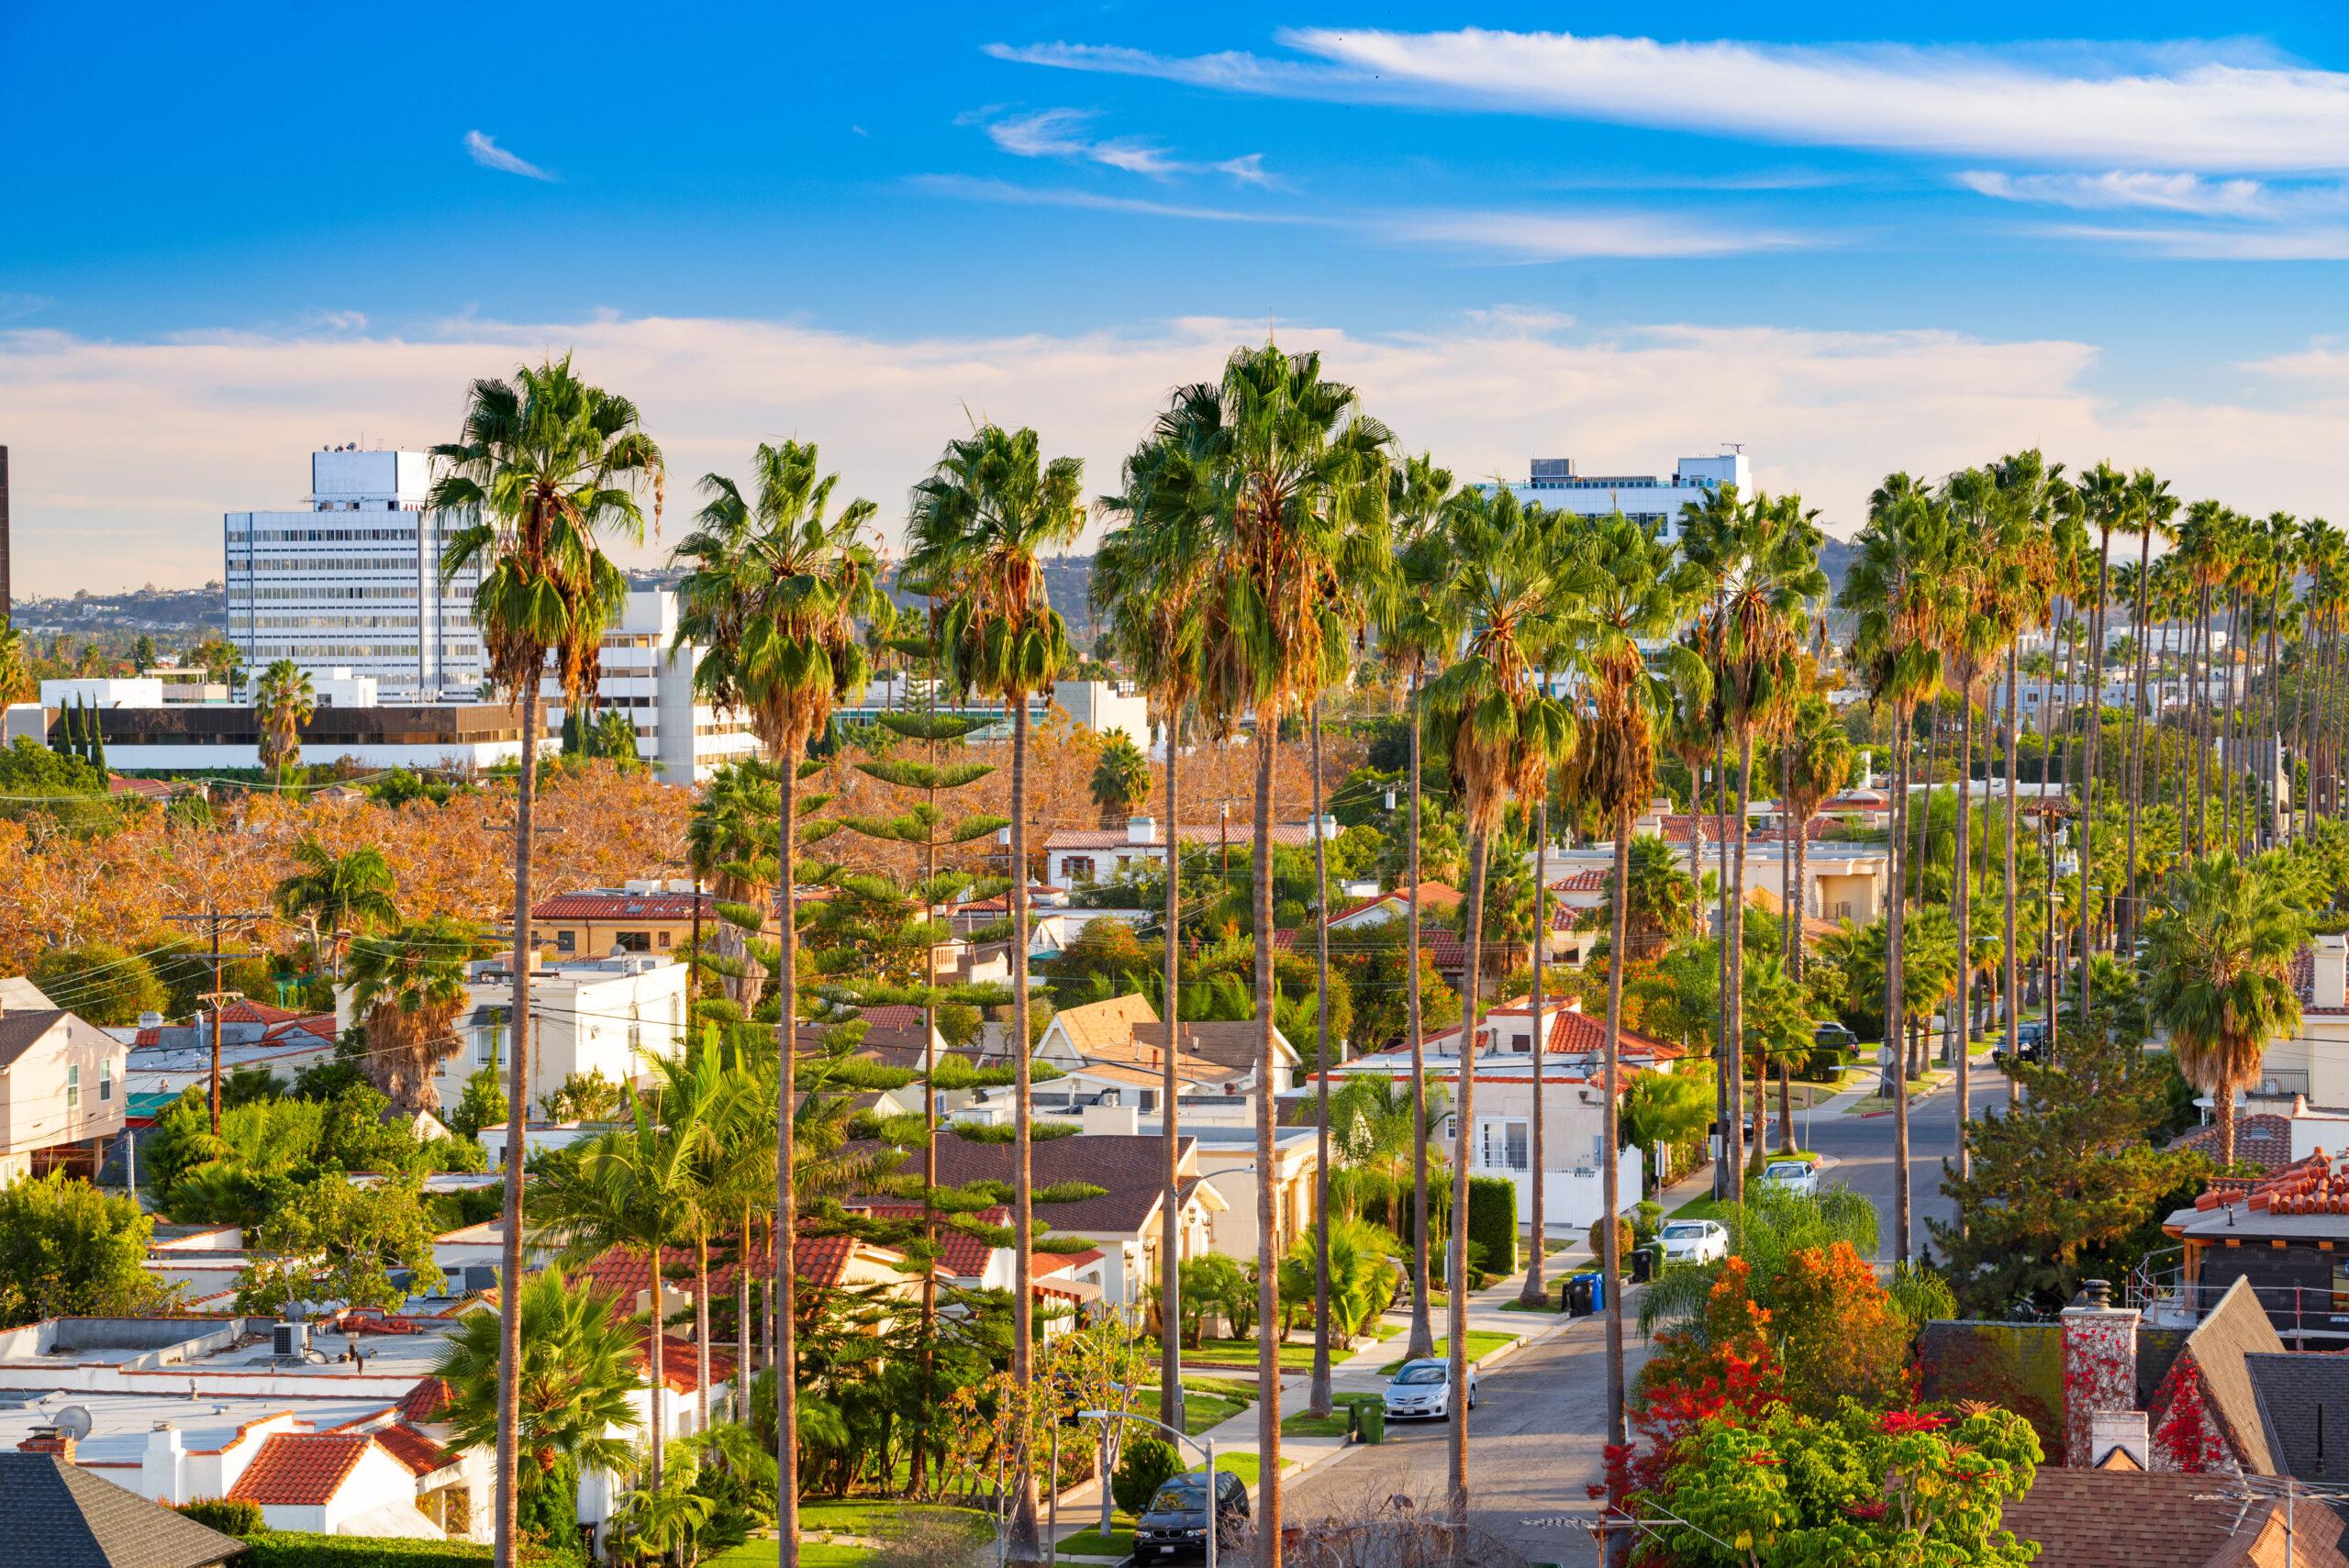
{"x":353,"y":579}
{"x":1553,"y":483}
{"x":643,"y":673}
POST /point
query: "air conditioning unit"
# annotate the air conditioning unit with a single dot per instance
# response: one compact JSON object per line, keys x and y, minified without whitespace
{"x":291,"y":1340}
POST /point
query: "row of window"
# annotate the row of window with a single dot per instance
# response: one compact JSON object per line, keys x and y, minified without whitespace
{"x":334,"y":566}
{"x":400,"y":592}
{"x":73,"y":1084}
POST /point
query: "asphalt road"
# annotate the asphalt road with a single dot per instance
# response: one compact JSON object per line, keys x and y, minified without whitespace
{"x":1536,"y":1435}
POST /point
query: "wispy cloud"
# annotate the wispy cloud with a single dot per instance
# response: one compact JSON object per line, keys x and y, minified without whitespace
{"x":2128,"y":188}
{"x":2194,"y":106}
{"x":1065,"y":134}
{"x":1486,"y":236}
{"x":2290,"y":242}
{"x":489,"y":155}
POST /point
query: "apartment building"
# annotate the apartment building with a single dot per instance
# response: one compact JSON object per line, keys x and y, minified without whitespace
{"x":643,"y":673}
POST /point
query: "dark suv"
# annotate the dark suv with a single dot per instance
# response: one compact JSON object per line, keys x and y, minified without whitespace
{"x":1176,"y":1524}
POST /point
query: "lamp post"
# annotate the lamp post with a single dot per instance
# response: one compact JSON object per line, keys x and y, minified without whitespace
{"x":1215,"y":1509}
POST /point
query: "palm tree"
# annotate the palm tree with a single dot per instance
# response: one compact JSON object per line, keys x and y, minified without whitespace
{"x":16,"y":682}
{"x":283,"y":699}
{"x":2151,"y":509}
{"x":1121,"y":777}
{"x":1631,"y":592}
{"x":728,"y":845}
{"x":1510,"y":586}
{"x":545,"y":466}
{"x":1418,"y":494}
{"x":406,"y":990}
{"x":1296,"y":471}
{"x":1762,"y":557}
{"x":571,"y":1393}
{"x":337,"y":897}
{"x":1820,"y":764}
{"x":1900,"y":590}
{"x":1148,"y":576}
{"x":773,"y":589}
{"x":633,"y":1188}
{"x":977,"y":529}
{"x":2218,"y":962}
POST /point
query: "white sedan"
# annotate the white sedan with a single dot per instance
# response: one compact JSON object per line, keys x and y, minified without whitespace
{"x":1797,"y":1176}
{"x":1422,"y":1390}
{"x":1694,"y":1241}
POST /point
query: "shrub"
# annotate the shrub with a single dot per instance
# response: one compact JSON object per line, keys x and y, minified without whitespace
{"x":1492,"y":1220}
{"x":1147,"y":1463}
{"x":1646,"y":1221}
{"x":1626,"y":1235}
{"x":230,"y":1515}
{"x":291,"y":1549}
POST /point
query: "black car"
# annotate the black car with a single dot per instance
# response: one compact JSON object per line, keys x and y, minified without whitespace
{"x":1176,"y":1525}
{"x":2030,"y":1041}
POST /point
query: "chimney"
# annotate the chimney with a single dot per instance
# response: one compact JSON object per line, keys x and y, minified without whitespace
{"x":2330,"y":983}
{"x":1325,"y":826}
{"x":1141,"y":830}
{"x":49,"y":1439}
{"x":2124,"y":1430}
{"x":2100,"y":1368}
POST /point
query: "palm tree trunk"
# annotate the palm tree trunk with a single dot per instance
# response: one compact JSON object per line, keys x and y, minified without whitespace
{"x":1895,"y":1036}
{"x":1535,"y":1291}
{"x":659,"y":1402}
{"x":2201,"y":722}
{"x":1170,"y":1262}
{"x":701,"y":1320}
{"x":1023,"y":1543}
{"x":786,"y":1191}
{"x":2014,"y":817}
{"x":1421,"y":1344}
{"x":508,"y":1541}
{"x":1268,"y":1375}
{"x":1734,"y":938}
{"x":1610,"y":1240}
{"x":2094,"y":743}
{"x":742,"y":1319}
{"x":2223,"y":1102}
{"x":2136,"y":735}
{"x":1318,"y":1394}
{"x":1464,"y":1136}
{"x":1729,"y":1095}
{"x":1932,"y":712}
{"x":1962,"y":902}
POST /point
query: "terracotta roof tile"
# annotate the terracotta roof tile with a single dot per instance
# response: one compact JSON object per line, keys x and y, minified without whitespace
{"x":412,"y":1448}
{"x":607,"y":904}
{"x":425,"y":1401}
{"x":301,"y":1470}
{"x":2124,"y":1518}
{"x":2264,"y":1139}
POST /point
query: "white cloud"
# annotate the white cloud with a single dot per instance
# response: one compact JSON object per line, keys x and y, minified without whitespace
{"x":227,"y":417}
{"x":2296,"y":242}
{"x":2178,"y":106}
{"x":489,"y":155}
{"x":970,"y":188}
{"x":1063,"y":134}
{"x":2129,"y":188}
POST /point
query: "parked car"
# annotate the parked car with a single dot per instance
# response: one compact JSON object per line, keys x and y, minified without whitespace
{"x":1176,"y":1524}
{"x":1797,"y":1176}
{"x":1695,"y":1240}
{"x":2030,"y":1041}
{"x":1422,"y":1389}
{"x":1829,"y":1035}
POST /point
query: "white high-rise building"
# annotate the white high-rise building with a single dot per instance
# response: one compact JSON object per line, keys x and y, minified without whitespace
{"x":1552,"y":482}
{"x":352,"y":581}
{"x":642,"y":672}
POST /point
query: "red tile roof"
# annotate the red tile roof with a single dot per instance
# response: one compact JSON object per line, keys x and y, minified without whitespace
{"x":301,"y":1470}
{"x":425,"y":1401}
{"x":960,"y":1253}
{"x":681,"y":1365}
{"x":413,"y":1448}
{"x":2313,"y":1186}
{"x":892,"y":1016}
{"x":1592,"y":881}
{"x":2264,"y":1140}
{"x":1432,"y":894}
{"x":2304,"y":982}
{"x":1576,"y":1033}
{"x":605,"y":903}
{"x":1236,"y":833}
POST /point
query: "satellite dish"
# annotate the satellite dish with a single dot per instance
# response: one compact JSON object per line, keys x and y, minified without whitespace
{"x":73,"y":1421}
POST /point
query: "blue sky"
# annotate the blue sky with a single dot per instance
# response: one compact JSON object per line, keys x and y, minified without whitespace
{"x":1617,"y":232}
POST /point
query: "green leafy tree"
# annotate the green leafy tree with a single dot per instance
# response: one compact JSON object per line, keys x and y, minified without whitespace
{"x":544,"y":469}
{"x":67,"y":1250}
{"x":99,"y":981}
{"x":483,"y":1103}
{"x":332,"y":1242}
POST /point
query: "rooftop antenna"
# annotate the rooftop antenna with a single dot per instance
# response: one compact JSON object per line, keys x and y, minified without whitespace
{"x":1738,"y":447}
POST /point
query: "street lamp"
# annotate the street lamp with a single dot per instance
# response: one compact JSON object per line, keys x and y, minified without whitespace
{"x":1215,"y":1511}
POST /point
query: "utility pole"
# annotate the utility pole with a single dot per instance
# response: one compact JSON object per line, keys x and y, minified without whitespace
{"x":218,"y":998}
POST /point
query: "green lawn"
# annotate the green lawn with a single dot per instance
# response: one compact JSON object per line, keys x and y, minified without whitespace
{"x":1206,"y":1402}
{"x":1516,"y":1303}
{"x":1118,"y":1542}
{"x":813,"y":1553}
{"x":1700,"y":1208}
{"x":868,"y":1515}
{"x":1295,"y":1355}
{"x":1482,"y":1343}
{"x":1382,"y":1328}
{"x":1333,"y":1425}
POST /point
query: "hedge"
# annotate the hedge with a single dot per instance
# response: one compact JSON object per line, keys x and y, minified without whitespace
{"x":293,"y":1549}
{"x":1492,"y":1220}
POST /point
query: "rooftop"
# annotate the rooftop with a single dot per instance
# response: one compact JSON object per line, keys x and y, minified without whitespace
{"x":61,"y":1516}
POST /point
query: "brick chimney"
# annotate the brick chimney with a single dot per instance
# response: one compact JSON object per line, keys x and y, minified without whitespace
{"x":49,"y":1439}
{"x":2100,"y":1368}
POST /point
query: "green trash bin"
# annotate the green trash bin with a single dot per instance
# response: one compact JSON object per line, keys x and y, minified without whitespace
{"x":1372,"y":1418}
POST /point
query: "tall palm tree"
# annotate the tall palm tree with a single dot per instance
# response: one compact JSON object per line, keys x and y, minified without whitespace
{"x":2151,"y":509}
{"x":1901,"y":592}
{"x":1121,"y":777}
{"x":1762,"y":556}
{"x":1297,"y":473}
{"x":728,"y":845}
{"x":338,"y":896}
{"x":2324,"y":551}
{"x":1630,"y":592}
{"x":543,"y":468}
{"x":1820,"y":763}
{"x":977,"y":530}
{"x":16,"y":682}
{"x":1149,"y":576}
{"x":1511,"y":591}
{"x":773,"y":587}
{"x":2218,"y":962}
{"x":407,"y":989}
{"x":2104,"y":505}
{"x":283,"y":699}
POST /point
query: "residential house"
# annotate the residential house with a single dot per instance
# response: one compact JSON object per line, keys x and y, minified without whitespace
{"x":2121,"y":1517}
{"x":166,"y":1059}
{"x":1112,"y":1052}
{"x":1227,"y":1156}
{"x":1070,"y":1280}
{"x":2314,"y":1061}
{"x":1395,"y":905}
{"x":641,"y":916}
{"x":1122,"y":1220}
{"x":63,"y":1089}
{"x":1077,"y":856}
{"x":2284,"y":1235}
{"x":61,"y":1516}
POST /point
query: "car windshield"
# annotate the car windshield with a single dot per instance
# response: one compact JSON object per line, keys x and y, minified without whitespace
{"x":1685,"y":1231}
{"x":1419,"y":1374}
{"x":1791,"y":1168}
{"x":1178,"y":1497}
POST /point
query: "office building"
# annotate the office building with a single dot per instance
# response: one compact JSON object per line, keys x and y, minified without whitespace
{"x":643,"y":673}
{"x":352,"y":580}
{"x":1553,"y":483}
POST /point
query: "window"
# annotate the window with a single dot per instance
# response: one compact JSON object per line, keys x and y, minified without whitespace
{"x":566,"y":941}
{"x":1077,"y":868}
{"x":489,"y":1041}
{"x":633,"y":942}
{"x":1501,"y":1144}
{"x":72,"y":1087}
{"x":105,"y":1079}
{"x":665,"y":935}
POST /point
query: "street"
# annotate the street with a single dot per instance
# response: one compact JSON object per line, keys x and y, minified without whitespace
{"x":1862,"y":1149}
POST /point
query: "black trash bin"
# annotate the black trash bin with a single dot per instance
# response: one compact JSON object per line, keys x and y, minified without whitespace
{"x":1643,"y":1264}
{"x":1581,"y":1294}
